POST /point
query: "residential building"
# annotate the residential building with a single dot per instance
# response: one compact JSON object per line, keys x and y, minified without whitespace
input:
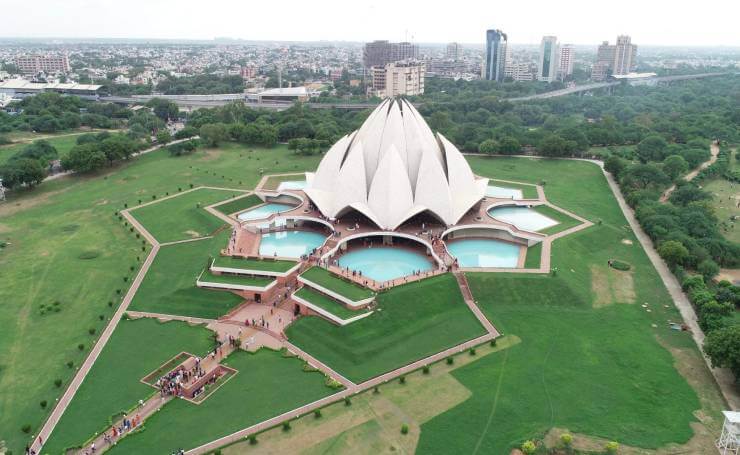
{"x":496,"y":41}
{"x":248,"y":72}
{"x":453,"y":52}
{"x":379,"y":53}
{"x":600,"y":71}
{"x":548,"y":64}
{"x":565,"y":61}
{"x":399,"y":78}
{"x":522,"y":71}
{"x":625,"y":54}
{"x":50,"y":64}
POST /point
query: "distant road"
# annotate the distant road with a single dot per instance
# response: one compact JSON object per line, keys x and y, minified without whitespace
{"x":190,"y":102}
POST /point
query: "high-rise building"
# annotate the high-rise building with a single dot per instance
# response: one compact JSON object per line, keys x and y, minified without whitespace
{"x":399,"y":78}
{"x":624,"y":55}
{"x":454,"y":51}
{"x":495,"y":55}
{"x":548,"y":65}
{"x":378,"y":53}
{"x":565,"y":62}
{"x":50,"y":64}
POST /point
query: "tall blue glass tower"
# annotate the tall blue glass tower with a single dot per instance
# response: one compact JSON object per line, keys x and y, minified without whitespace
{"x":495,"y":55}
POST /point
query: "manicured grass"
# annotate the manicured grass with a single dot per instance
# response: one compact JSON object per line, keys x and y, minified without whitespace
{"x":267,"y":384}
{"x":50,"y":227}
{"x":597,"y":372}
{"x":326,"y":303}
{"x":268,"y":265}
{"x":564,"y":221}
{"x":534,"y":256}
{"x":113,"y":384}
{"x":528,"y":191}
{"x":330,"y":281}
{"x":725,"y":206}
{"x":169,"y":286}
{"x":235,"y":279}
{"x":274,"y":181}
{"x":413,"y":321}
{"x":182,"y":217}
{"x":239,"y":204}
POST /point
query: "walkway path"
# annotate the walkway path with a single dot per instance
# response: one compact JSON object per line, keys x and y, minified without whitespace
{"x":714,"y":149}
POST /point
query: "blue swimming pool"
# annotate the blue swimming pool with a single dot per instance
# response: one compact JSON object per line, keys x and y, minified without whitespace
{"x":484,"y":253}
{"x":502,"y":192}
{"x":385,"y":263}
{"x":522,"y":217}
{"x":290,"y":244}
{"x":263,"y":211}
{"x":292,"y":185}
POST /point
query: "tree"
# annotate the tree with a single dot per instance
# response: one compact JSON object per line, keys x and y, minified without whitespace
{"x":163,"y":137}
{"x":117,"y":147}
{"x":687,"y":193}
{"x":46,"y":124}
{"x":675,"y":166}
{"x":509,"y":145}
{"x":708,"y":269}
{"x":652,"y":148}
{"x":644,"y":176}
{"x":40,"y":150}
{"x":723,"y":348}
{"x":555,"y":145}
{"x":529,"y":447}
{"x":186,"y":132}
{"x":673,"y":252}
{"x":615,"y":165}
{"x":213,"y":134}
{"x":164,"y":109}
{"x":24,"y":171}
{"x":488,"y":146}
{"x":84,"y":158}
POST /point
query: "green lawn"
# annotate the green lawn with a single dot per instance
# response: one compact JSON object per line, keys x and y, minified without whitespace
{"x":528,"y":191}
{"x":239,"y":204}
{"x":266,"y":385}
{"x":330,"y":281}
{"x":533,"y":257}
{"x":585,"y":363}
{"x":63,"y":143}
{"x":327,"y":303}
{"x":235,"y":279}
{"x":267,"y":265}
{"x":725,"y":206}
{"x":413,"y":321}
{"x":274,"y":181}
{"x":113,"y":385}
{"x":169,"y":286}
{"x":564,"y":221}
{"x":182,"y":217}
{"x":50,"y":228}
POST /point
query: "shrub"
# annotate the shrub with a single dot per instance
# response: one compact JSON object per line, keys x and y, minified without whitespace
{"x":450,"y":360}
{"x":286,"y":426}
{"x":110,"y":303}
{"x":566,"y":439}
{"x":404,"y":429}
{"x":26,"y":428}
{"x":619,"y":265}
{"x":402,"y":379}
{"x":425,"y":370}
{"x":101,"y":317}
{"x":611,"y":447}
{"x":43,"y":403}
{"x":70,"y":364}
{"x":376,"y":390}
{"x":80,"y":346}
{"x":317,"y":414}
{"x":91,"y":330}
{"x":252,"y":439}
{"x":493,"y":342}
{"x":529,"y":447}
{"x":347,"y":401}
{"x":472,"y":351}
{"x":58,"y":382}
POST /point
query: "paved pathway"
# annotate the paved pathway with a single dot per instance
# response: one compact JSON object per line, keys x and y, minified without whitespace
{"x":714,"y":149}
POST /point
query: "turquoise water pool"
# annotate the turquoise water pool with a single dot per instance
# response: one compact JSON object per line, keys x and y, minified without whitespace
{"x":385,"y":263}
{"x":484,"y":253}
{"x":502,"y":192}
{"x":290,"y":244}
{"x":292,"y":185}
{"x":522,"y":217}
{"x":263,"y":211}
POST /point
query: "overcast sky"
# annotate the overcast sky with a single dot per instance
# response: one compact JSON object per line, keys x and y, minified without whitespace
{"x":649,"y":22}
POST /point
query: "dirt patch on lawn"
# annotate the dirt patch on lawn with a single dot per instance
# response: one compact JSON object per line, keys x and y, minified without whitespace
{"x":626,"y":242}
{"x":193,"y":234}
{"x":611,"y":286}
{"x":4,"y":228}
{"x":210,"y":155}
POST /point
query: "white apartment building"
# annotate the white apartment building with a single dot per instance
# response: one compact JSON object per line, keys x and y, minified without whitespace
{"x":565,"y":63}
{"x":50,"y":64}
{"x":399,"y":78}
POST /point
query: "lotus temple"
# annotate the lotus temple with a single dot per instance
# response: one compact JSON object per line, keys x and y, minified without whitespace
{"x":390,"y":203}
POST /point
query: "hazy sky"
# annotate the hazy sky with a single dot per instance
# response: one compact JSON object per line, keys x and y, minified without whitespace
{"x":660,"y":22}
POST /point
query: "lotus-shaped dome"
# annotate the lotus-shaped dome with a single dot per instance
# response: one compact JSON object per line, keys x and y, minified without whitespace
{"x":393,"y":168}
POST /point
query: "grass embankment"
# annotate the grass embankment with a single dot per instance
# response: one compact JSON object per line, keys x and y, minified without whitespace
{"x":534,"y":256}
{"x":182,"y":217}
{"x":274,"y":181}
{"x":52,"y":228}
{"x":528,"y":191}
{"x":113,"y":385}
{"x":564,"y":221}
{"x":242,"y":280}
{"x":239,"y":204}
{"x":326,"y":303}
{"x":267,"y":265}
{"x":412,"y":321}
{"x":332,"y":282}
{"x":169,"y":286}
{"x":266,"y":385}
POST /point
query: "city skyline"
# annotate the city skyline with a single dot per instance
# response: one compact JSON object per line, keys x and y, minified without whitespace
{"x":647,"y":23}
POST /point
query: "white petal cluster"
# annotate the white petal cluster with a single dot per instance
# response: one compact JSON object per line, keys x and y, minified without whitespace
{"x":393,"y":168}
